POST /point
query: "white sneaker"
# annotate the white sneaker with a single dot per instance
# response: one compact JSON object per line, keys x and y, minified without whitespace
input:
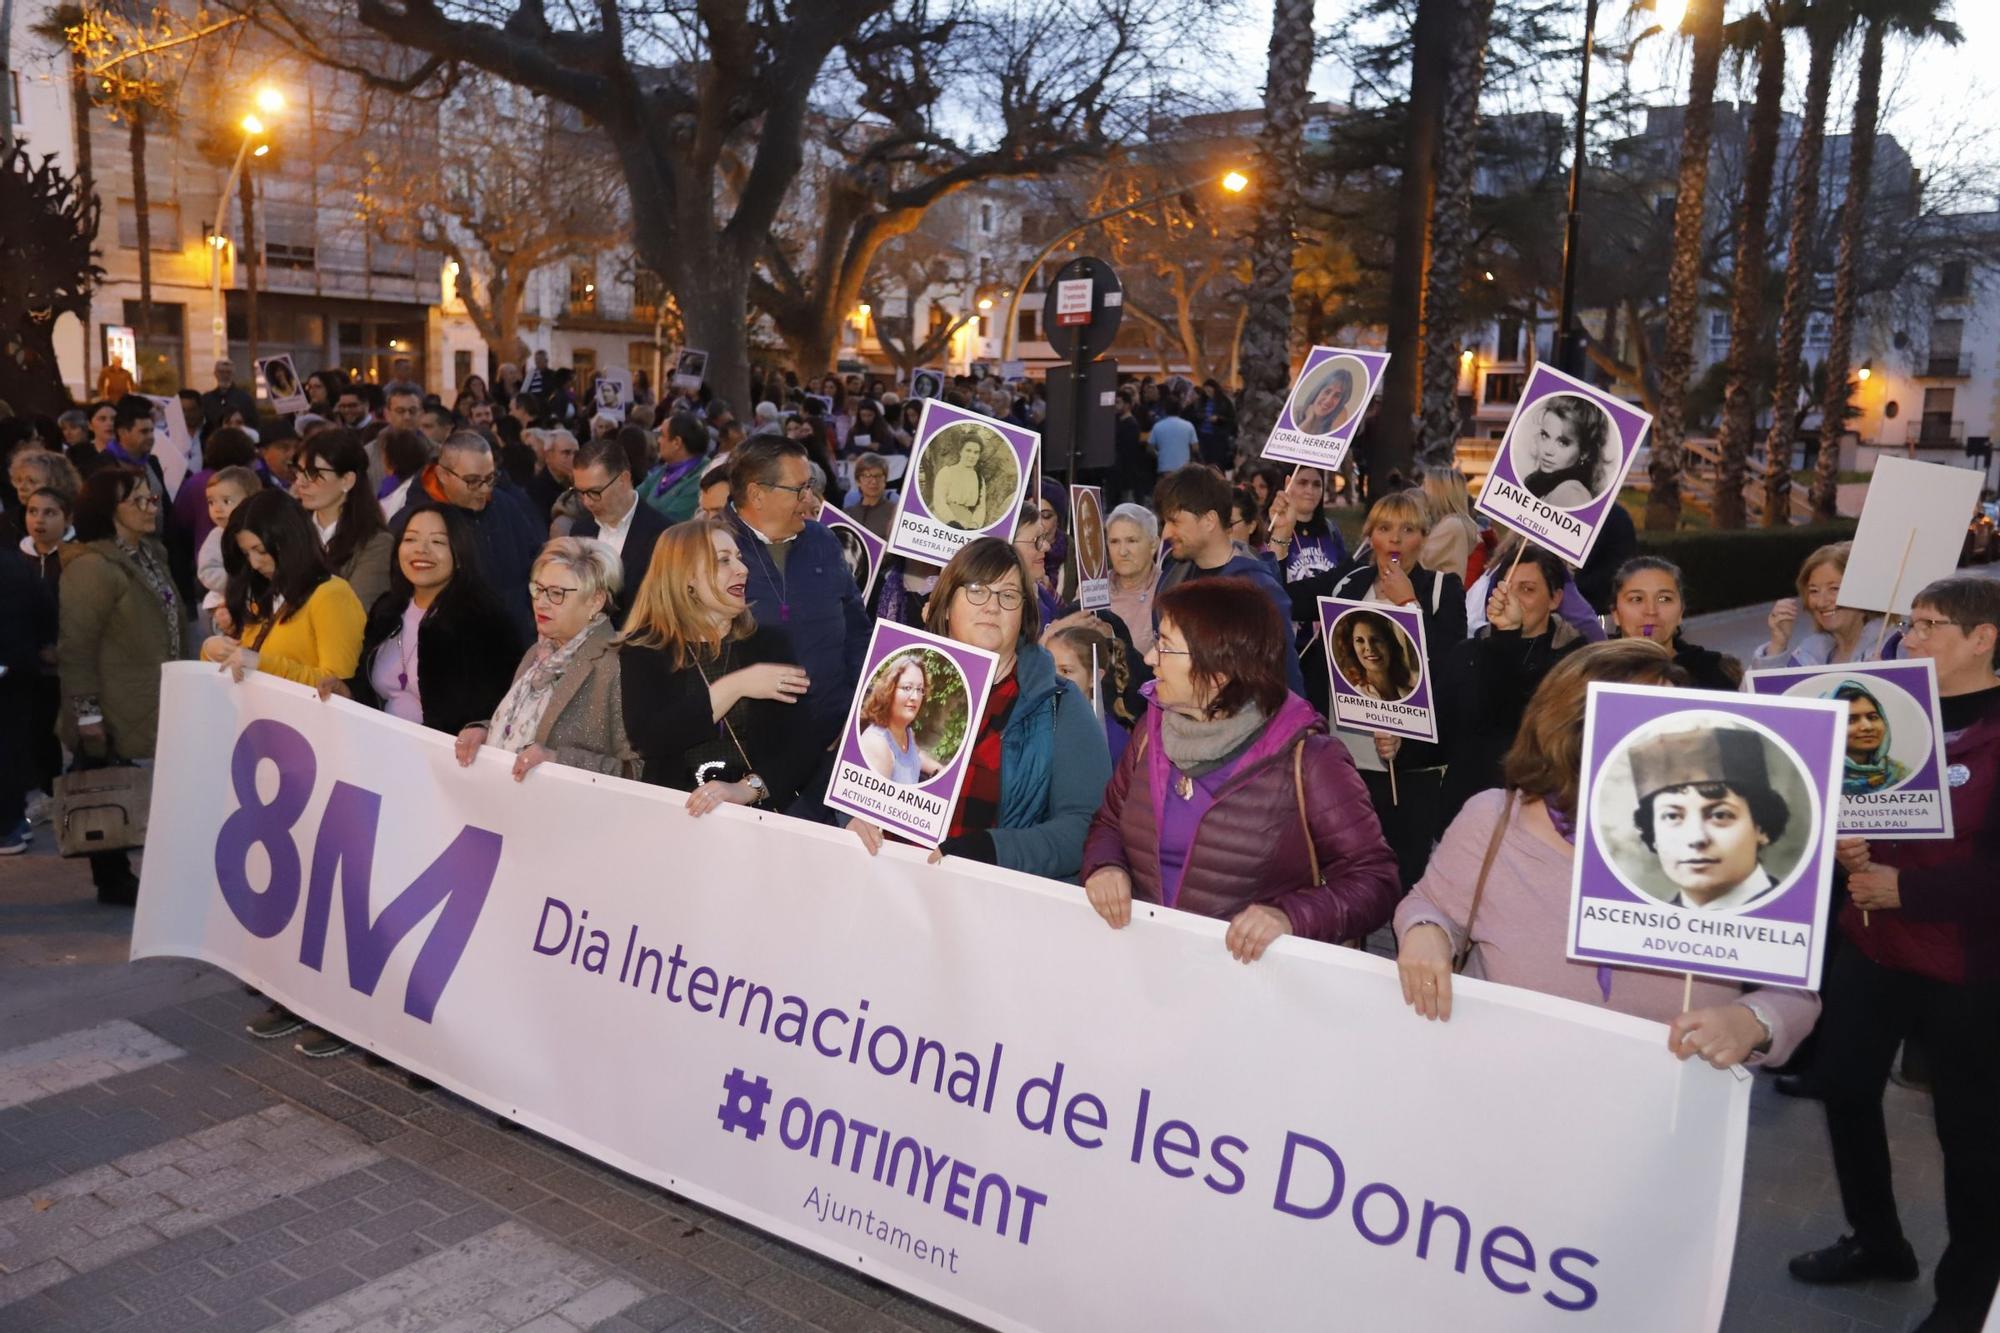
{"x":40,"y":807}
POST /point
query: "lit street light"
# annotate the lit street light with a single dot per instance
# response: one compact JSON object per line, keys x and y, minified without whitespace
{"x":269,"y":101}
{"x":1232,"y":180}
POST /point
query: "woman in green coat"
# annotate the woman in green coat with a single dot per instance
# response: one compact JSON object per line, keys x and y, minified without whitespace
{"x":121,"y":621}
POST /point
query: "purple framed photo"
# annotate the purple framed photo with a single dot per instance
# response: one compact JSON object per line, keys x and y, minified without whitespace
{"x":965,"y":481}
{"x":1093,"y":554}
{"x":1562,"y":463}
{"x":1892,"y":770}
{"x":1704,"y":832}
{"x":1380,"y":675}
{"x":863,"y":549}
{"x":1325,"y":407}
{"x":910,"y":731}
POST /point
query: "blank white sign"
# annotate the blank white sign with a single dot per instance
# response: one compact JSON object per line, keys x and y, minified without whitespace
{"x":1922,"y":508}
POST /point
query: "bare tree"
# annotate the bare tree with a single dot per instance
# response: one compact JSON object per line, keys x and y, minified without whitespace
{"x":910,"y":268}
{"x":500,"y":182}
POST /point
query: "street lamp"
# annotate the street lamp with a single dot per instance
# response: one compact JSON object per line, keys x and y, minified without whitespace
{"x":1232,"y":180}
{"x":269,"y":101}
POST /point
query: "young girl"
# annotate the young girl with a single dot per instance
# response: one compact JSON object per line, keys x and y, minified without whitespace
{"x":1093,"y":659}
{"x":1567,"y":451}
{"x":226,"y":489}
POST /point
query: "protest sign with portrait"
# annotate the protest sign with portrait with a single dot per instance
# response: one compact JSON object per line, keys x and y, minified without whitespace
{"x":1325,"y":408}
{"x":1704,"y":832}
{"x":1892,"y":771}
{"x":1376,"y":659}
{"x":965,"y":481}
{"x":281,"y":380}
{"x":1563,"y":460}
{"x":909,"y":735}
{"x":690,"y":368}
{"x":862,"y":548}
{"x":1093,"y":555}
{"x":927,"y":383}
{"x":173,"y":444}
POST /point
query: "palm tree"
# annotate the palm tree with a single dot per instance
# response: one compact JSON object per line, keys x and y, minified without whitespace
{"x":58,"y":26}
{"x":1451,"y":228}
{"x":1761,"y":31}
{"x":1267,"y":328}
{"x":142,"y":217}
{"x":1663,"y":506}
{"x":1917,"y":20}
{"x":1826,"y":23}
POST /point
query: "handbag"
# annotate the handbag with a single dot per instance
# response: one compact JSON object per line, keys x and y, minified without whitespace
{"x":1479,"y":889}
{"x":102,"y":809}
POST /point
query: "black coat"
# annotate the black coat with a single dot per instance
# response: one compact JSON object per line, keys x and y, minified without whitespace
{"x":647,"y":525}
{"x":467,"y":649}
{"x":1440,"y":599}
{"x":1483,"y":688}
{"x":27,"y":625}
{"x":667,"y":714}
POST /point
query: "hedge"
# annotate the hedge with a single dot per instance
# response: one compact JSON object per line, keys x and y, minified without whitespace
{"x":1725,"y":570}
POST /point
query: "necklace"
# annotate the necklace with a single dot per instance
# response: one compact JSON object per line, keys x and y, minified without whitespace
{"x":1183,"y":785}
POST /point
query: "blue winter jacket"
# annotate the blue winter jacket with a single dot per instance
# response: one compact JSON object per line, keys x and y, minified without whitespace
{"x":1054,"y":766}
{"x":814,"y":600}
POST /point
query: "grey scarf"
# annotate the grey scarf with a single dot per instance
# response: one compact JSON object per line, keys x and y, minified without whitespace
{"x":1196,"y":747}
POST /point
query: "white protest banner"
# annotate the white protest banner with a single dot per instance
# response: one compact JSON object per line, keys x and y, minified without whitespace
{"x":1892,"y":776}
{"x":884,"y":1061}
{"x":1093,"y":556}
{"x":1911,"y":533}
{"x":1564,"y":458}
{"x":690,"y":368}
{"x":173,"y":445}
{"x":1704,"y":832}
{"x":281,"y":381}
{"x":863,"y":549}
{"x":1378,"y":666}
{"x":1323,"y":412}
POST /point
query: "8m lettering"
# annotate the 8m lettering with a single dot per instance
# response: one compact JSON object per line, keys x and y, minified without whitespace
{"x":345,"y":848}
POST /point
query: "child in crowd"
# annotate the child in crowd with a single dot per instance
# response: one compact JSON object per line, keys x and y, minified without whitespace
{"x":226,"y":489}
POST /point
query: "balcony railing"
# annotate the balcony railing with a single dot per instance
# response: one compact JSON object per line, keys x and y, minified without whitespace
{"x":1946,"y":368}
{"x":1936,"y":432}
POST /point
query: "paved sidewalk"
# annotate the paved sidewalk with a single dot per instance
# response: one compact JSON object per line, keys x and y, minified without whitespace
{"x":161,"y":1170}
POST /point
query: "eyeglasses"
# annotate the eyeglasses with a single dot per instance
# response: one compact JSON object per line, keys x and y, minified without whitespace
{"x":1009,"y":598}
{"x":316,"y":475}
{"x":1165,"y":649}
{"x":596,"y":492}
{"x":552,"y":593}
{"x":1922,"y":627}
{"x":472,"y":483}
{"x":798,"y":492}
{"x":143,"y":500}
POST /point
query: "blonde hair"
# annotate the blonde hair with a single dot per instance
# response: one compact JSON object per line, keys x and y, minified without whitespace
{"x":1445,"y":492}
{"x":595,"y":564}
{"x":674,"y":607}
{"x":1546,"y":759}
{"x":1398,"y":505}
{"x":1834,"y":554}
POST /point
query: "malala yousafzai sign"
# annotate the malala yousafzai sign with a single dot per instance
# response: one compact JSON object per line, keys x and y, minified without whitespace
{"x":841,"y":1052}
{"x":1892,"y":770}
{"x":1565,"y":456}
{"x":1704,"y":832}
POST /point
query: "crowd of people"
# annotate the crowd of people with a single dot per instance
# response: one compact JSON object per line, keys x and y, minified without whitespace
{"x":646,"y":593}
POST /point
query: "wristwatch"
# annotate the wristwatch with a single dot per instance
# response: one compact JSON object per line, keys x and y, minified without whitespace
{"x":756,"y":784}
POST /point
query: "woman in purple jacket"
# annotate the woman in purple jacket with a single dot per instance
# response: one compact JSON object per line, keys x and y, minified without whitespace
{"x":1231,"y":801}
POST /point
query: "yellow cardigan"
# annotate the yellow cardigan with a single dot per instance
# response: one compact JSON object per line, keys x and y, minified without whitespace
{"x":321,"y":638}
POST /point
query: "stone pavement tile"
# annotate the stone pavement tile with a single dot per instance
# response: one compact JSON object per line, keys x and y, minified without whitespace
{"x":470,"y":1222}
{"x":817,"y":1305}
{"x":343,"y":1247}
{"x":611,"y":1297}
{"x":29,"y":1073}
{"x":315,"y":1290}
{"x":27,"y":1281}
{"x":732,"y":1306}
{"x":658,"y":1312}
{"x":396,"y":1254}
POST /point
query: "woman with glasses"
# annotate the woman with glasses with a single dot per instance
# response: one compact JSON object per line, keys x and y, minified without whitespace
{"x":710,"y":695}
{"x":1040,"y":761}
{"x":332,"y":484}
{"x":565,"y":705}
{"x":121,"y":620}
{"x":1034,"y":538}
{"x":1231,"y":801}
{"x":294,"y":617}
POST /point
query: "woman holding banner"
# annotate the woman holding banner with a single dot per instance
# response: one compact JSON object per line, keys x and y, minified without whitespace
{"x":1836,"y":632}
{"x":1495,"y":902}
{"x":708,"y":693}
{"x":1227,"y":751}
{"x":1040,"y":761}
{"x":296,"y":618}
{"x":1647,"y":603}
{"x":565,"y":703}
